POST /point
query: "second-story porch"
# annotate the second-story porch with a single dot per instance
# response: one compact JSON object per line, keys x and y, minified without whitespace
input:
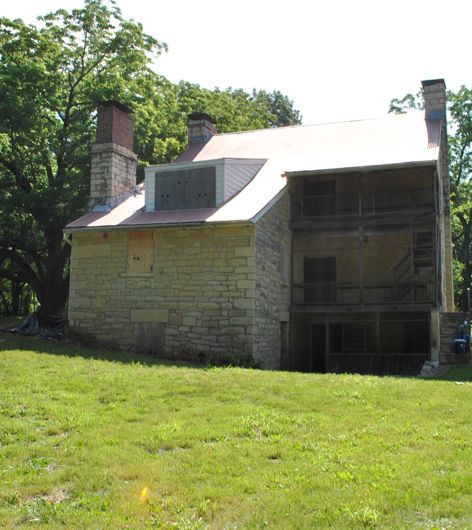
{"x":341,"y":198}
{"x":387,"y":267}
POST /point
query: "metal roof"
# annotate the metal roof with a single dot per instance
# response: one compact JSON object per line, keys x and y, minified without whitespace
{"x":394,"y":141}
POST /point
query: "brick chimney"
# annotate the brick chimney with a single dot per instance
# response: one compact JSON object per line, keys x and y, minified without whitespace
{"x":201,"y":127}
{"x":113,"y":169}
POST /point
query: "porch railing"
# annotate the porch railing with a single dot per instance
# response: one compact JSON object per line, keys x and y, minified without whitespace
{"x":343,"y":204}
{"x":381,"y":364}
{"x":317,"y":294}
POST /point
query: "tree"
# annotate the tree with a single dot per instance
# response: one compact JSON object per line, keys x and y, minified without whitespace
{"x":460,"y":165}
{"x":400,"y":106}
{"x":161,"y":118}
{"x":460,"y":170}
{"x":51,"y":79}
{"x":279,"y":106}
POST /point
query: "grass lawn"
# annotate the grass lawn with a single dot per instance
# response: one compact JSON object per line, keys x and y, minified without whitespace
{"x":90,"y":439}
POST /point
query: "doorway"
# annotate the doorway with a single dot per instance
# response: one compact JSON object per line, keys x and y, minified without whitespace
{"x":318,"y":348}
{"x":319,"y":277}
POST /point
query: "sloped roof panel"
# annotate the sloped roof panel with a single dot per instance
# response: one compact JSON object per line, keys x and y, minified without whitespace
{"x":404,"y":137}
{"x":395,"y":141}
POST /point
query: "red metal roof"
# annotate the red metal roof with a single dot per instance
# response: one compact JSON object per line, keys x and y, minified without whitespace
{"x":389,"y":142}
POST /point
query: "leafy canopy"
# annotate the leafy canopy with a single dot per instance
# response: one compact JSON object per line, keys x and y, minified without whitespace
{"x":52,"y":76}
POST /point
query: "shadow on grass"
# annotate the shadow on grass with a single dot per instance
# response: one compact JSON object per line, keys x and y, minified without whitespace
{"x":459,"y":373}
{"x":64,"y":347}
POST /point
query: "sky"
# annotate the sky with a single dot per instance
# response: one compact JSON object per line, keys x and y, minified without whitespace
{"x":337,"y":60}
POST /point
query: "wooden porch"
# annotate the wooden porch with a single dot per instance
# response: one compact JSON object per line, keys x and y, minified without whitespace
{"x":366,"y":343}
{"x":329,"y":294}
{"x":363,"y":204}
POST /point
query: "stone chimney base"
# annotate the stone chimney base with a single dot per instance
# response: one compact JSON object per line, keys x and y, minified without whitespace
{"x":113,"y":174}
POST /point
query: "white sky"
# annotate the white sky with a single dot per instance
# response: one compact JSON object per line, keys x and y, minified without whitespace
{"x":336,"y":59}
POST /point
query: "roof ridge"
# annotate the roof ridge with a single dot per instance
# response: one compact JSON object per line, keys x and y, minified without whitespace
{"x":409,"y":113}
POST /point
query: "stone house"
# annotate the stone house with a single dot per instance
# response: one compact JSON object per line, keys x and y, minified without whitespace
{"x":317,"y":248}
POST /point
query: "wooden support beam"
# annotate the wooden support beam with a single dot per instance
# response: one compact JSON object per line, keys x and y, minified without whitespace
{"x":377,"y":337}
{"x":327,"y":346}
{"x":361,"y":263}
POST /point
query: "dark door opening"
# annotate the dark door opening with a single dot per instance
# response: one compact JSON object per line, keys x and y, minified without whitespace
{"x":319,"y":198}
{"x":318,"y":348}
{"x":319,"y":277}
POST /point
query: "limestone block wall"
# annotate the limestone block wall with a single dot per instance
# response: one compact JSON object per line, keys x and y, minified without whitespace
{"x":272,"y":289}
{"x":113,"y":173}
{"x":446,"y":230}
{"x":198,"y":296}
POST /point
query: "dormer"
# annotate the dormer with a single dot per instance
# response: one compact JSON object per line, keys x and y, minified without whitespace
{"x":200,"y":184}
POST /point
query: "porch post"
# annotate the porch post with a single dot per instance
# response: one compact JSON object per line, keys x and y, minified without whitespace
{"x":361,"y":263}
{"x":435,"y":330}
{"x":327,"y":345}
{"x":359,"y":187}
{"x":377,"y":339}
{"x":361,"y":243}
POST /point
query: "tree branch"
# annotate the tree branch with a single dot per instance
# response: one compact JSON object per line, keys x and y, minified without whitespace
{"x":20,"y":179}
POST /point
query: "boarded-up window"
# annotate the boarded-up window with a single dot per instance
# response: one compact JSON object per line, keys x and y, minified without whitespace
{"x":186,"y":188}
{"x":141,"y":251}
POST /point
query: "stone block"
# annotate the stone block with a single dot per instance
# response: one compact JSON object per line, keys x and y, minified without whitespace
{"x":240,"y":252}
{"x":189,"y":321}
{"x":149,"y":315}
{"x":244,"y":303}
{"x":245,"y":284}
{"x":92,"y":251}
{"x":207,"y":305}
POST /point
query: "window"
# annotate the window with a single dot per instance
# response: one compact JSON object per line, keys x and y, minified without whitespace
{"x":141,"y":251}
{"x":319,"y":198}
{"x":186,"y":188}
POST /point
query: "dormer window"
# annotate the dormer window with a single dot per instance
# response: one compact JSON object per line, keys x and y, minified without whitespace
{"x":197,"y":184}
{"x":185,"y":189}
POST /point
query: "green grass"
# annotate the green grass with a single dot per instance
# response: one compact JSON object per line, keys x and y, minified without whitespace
{"x":83,"y":432}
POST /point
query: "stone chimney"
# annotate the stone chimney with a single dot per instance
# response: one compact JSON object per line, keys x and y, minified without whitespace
{"x":201,"y":127}
{"x":113,"y":169}
{"x":434,"y":94}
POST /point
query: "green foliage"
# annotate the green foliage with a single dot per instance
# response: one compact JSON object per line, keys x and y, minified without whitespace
{"x":280,"y":107}
{"x":161,"y":115}
{"x":460,"y":151}
{"x":51,"y":79}
{"x":16,"y":298}
{"x":52,"y":76}
{"x":243,"y":359}
{"x":224,"y":447}
{"x":460,"y":163}
{"x":401,"y":106}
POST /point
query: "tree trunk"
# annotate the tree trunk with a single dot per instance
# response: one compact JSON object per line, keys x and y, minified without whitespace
{"x":15,"y":297}
{"x":54,"y":289}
